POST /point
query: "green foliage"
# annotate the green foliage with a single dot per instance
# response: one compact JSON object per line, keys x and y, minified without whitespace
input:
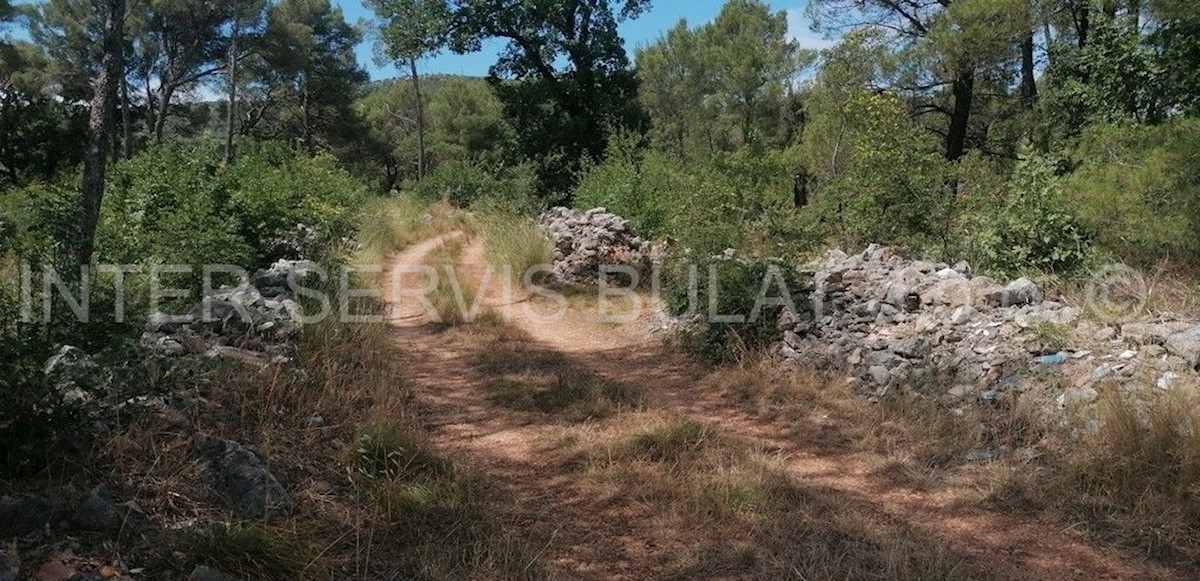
{"x":895,"y":188}
{"x":727,"y":201}
{"x":41,"y":219}
{"x":465,"y":121}
{"x":178,"y":206}
{"x":718,"y":291}
{"x":1136,"y":188}
{"x":463,"y":183}
{"x":574,"y":87}
{"x":1116,"y":77}
{"x":720,"y":86}
{"x":41,"y":135}
{"x":1032,"y":229}
{"x":307,"y":75}
{"x":638,"y":185}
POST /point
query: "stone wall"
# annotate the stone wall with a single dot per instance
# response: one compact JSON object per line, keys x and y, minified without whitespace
{"x":585,"y":241}
{"x":892,"y":322}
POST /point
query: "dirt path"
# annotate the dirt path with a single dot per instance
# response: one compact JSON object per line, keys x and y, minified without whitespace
{"x":590,"y":537}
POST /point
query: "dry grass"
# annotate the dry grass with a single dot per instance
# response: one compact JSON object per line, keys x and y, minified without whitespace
{"x":514,"y":244}
{"x":372,"y":500}
{"x":1127,"y":469}
{"x":735,"y":512}
{"x":1118,"y":294}
{"x":454,"y":298}
{"x":832,"y":416}
{"x":393,"y":224}
{"x":1130,"y":471}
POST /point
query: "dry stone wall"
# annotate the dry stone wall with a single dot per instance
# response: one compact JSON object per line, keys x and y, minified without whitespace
{"x":585,"y":241}
{"x":893,"y":322}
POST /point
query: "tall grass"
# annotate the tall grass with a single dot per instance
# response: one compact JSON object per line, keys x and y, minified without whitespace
{"x":513,"y":241}
{"x":1130,"y":471}
{"x":393,"y":224}
{"x":454,"y":296}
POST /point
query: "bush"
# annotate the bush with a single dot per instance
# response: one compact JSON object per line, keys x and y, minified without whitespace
{"x":895,"y":188}
{"x":1137,"y":189}
{"x":179,"y":206}
{"x":636,"y":184}
{"x":738,"y":288}
{"x":40,"y":220}
{"x":287,"y":206}
{"x":727,"y":201}
{"x":465,"y":183}
{"x":1031,"y":229}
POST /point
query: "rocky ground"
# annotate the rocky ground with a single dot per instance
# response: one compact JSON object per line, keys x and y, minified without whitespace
{"x":252,"y":324}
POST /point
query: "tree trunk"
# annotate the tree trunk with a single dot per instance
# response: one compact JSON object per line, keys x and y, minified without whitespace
{"x":1029,"y":91}
{"x":416,"y":79}
{"x":163,"y":103}
{"x":963,"y":92}
{"x":305,"y":118}
{"x":100,"y":126}
{"x":800,"y":188}
{"x":126,"y":121}
{"x":231,"y":114}
{"x":1083,"y":22}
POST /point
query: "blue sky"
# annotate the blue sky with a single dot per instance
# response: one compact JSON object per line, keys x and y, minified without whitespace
{"x":662,"y":16}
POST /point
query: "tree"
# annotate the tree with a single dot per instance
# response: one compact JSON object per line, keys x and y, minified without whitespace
{"x":468,"y":123}
{"x":465,"y":120}
{"x":675,"y":86}
{"x":725,"y":81}
{"x":411,"y":30}
{"x":950,"y":47}
{"x":181,"y":44}
{"x":752,"y":61}
{"x":68,"y":31}
{"x":307,"y":75}
{"x":564,"y":77}
{"x":39,"y":135}
{"x":245,"y":17}
{"x":100,"y":123}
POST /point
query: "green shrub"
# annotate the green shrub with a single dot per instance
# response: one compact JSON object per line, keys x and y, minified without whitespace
{"x":179,"y":206}
{"x":41,"y":220}
{"x":288,"y":205}
{"x":636,"y":184}
{"x":726,"y":201}
{"x":1138,"y":190}
{"x":739,"y":288}
{"x":464,"y":183}
{"x":895,"y":188}
{"x":1031,"y":229}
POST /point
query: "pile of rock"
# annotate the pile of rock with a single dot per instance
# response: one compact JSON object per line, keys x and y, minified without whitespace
{"x":585,"y":241}
{"x":893,"y":322}
{"x":251,"y":322}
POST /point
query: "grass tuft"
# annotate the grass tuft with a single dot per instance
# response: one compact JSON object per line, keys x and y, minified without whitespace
{"x":250,"y":551}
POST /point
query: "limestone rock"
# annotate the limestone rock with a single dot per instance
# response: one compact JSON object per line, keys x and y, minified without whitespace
{"x":238,"y":479}
{"x":98,"y":513}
